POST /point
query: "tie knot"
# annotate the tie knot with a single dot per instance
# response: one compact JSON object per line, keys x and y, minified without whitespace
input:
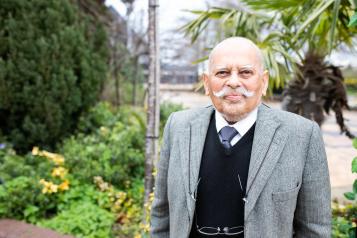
{"x":227,"y":133}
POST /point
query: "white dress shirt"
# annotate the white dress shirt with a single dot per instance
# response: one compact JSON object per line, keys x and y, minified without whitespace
{"x":241,"y":126}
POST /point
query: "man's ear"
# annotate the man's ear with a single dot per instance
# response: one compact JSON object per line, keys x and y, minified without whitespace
{"x":265,"y":79}
{"x":205,"y":79}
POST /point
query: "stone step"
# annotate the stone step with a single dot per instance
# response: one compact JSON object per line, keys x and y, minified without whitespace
{"x":18,"y":229}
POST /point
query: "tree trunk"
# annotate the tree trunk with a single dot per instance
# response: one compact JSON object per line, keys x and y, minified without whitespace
{"x":153,"y":120}
{"x":135,"y":81}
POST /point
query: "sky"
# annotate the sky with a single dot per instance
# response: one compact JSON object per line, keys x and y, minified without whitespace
{"x":169,"y":11}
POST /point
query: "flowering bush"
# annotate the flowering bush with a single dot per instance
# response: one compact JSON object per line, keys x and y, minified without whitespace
{"x":93,"y":187}
{"x":114,"y":151}
{"x":22,"y":199}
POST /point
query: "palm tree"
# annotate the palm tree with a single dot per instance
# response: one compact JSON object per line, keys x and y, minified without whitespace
{"x":297,"y":34}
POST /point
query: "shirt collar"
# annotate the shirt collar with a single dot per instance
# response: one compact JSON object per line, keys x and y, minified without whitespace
{"x":241,"y":126}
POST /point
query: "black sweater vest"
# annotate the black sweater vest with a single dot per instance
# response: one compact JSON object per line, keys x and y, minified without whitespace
{"x":219,"y":194}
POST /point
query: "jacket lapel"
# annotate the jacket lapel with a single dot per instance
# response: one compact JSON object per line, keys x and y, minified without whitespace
{"x":268,"y":144}
{"x":191,"y":147}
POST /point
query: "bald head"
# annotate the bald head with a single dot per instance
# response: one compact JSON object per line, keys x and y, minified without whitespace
{"x":238,"y":44}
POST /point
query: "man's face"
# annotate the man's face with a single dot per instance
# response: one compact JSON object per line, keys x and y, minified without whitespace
{"x":233,"y":72}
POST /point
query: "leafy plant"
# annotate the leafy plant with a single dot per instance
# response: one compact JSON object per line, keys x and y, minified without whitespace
{"x":83,"y":219}
{"x":109,"y":144}
{"x":22,"y":199}
{"x":13,"y":166}
{"x":115,"y":154}
{"x":342,"y":228}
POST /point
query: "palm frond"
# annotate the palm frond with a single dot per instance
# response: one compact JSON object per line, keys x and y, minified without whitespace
{"x":353,"y":21}
{"x":314,"y":15}
{"x":335,"y":11}
{"x":203,"y":59}
{"x":272,"y":4}
{"x":195,"y":27}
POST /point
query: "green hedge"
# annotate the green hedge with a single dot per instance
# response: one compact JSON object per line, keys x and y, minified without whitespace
{"x":52,"y":64}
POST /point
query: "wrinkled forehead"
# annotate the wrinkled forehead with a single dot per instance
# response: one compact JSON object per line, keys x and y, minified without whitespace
{"x":234,"y":59}
{"x":236,"y":52}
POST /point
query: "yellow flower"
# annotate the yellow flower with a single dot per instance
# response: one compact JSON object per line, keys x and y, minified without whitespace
{"x":48,"y":187}
{"x":56,"y":158}
{"x":59,"y":172}
{"x":137,"y":236}
{"x":64,"y":185}
{"x":35,"y":150}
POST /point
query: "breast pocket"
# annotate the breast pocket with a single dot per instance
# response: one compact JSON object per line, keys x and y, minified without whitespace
{"x":286,"y":195}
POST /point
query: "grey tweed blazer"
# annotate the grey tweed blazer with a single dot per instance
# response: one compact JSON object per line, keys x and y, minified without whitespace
{"x":288,"y":188}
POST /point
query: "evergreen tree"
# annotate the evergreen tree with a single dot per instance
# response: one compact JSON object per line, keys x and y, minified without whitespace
{"x":52,"y":64}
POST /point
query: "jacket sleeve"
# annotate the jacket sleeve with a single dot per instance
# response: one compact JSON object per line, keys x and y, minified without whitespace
{"x":313,"y":211}
{"x":160,"y":207}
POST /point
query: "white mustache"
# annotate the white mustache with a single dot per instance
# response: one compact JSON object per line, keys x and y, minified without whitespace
{"x":227,"y":91}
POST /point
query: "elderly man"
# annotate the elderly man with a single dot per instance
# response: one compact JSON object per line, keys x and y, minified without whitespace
{"x":240,"y":168}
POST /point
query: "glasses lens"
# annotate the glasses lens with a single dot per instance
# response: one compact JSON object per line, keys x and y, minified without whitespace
{"x":208,"y":230}
{"x":233,"y":230}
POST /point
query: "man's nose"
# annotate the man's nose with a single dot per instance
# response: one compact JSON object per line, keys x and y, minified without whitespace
{"x":234,"y":80}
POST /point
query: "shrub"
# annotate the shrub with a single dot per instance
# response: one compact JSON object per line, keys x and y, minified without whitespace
{"x":22,"y":199}
{"x":114,"y":151}
{"x":342,"y":221}
{"x":52,"y":64}
{"x":109,"y":143}
{"x":13,"y":166}
{"x":82,"y":220}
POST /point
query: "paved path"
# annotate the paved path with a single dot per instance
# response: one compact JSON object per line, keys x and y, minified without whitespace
{"x":18,"y":229}
{"x":338,"y":147}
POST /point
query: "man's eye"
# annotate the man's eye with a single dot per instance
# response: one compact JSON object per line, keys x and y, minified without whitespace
{"x":222,"y":73}
{"x":246,"y":73}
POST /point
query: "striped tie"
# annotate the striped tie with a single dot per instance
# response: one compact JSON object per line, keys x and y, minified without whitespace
{"x":227,"y":134}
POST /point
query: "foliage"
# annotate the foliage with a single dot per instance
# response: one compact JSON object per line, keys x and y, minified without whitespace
{"x":284,"y":30}
{"x":83,"y":219}
{"x":21,"y":199}
{"x":166,"y":108}
{"x":353,"y":194}
{"x":242,"y":21}
{"x":353,"y":19}
{"x":51,"y":69}
{"x":322,"y":24}
{"x":344,"y":220}
{"x":13,"y":165}
{"x":344,"y":223}
{"x":94,"y":189}
{"x":101,"y":115}
{"x":114,"y":151}
{"x":27,"y":198}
